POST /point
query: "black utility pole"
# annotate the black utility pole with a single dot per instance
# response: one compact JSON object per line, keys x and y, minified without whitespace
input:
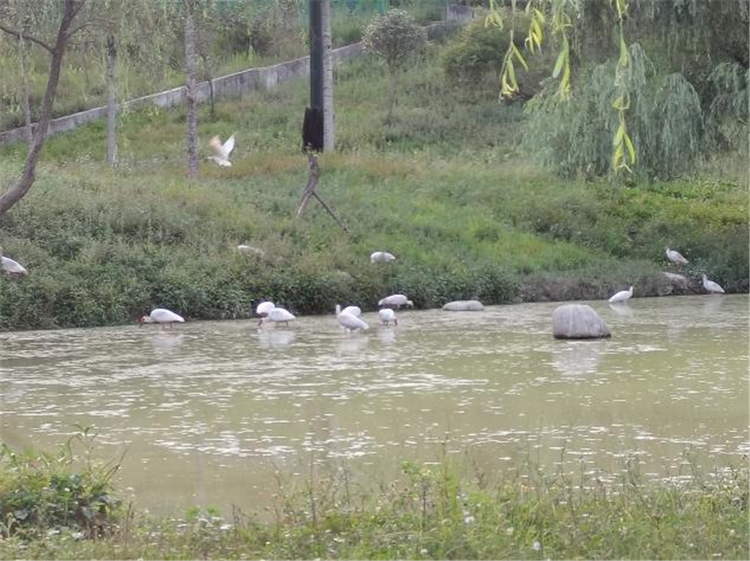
{"x":312,"y":130}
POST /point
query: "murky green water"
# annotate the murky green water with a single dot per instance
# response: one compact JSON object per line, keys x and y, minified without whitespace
{"x":207,"y":411}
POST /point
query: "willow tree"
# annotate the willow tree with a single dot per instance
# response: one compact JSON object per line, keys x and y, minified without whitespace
{"x":653,"y":104}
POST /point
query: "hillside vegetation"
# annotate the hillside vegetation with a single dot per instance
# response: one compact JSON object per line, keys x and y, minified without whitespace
{"x":445,"y":186}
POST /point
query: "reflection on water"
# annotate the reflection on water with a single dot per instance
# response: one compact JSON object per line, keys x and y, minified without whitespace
{"x":577,"y":357}
{"x":621,"y":309}
{"x":209,"y":410}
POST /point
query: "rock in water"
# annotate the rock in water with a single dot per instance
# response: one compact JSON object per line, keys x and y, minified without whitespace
{"x":464,"y":306}
{"x":578,"y":321}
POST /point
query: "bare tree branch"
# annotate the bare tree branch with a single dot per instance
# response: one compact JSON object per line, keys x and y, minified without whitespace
{"x":26,"y":36}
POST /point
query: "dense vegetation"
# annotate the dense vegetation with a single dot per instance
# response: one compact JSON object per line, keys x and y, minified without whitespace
{"x":52,"y":510}
{"x":444,"y":186}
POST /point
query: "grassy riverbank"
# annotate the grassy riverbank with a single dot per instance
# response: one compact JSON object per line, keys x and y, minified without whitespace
{"x":445,"y":187}
{"x":444,"y":511}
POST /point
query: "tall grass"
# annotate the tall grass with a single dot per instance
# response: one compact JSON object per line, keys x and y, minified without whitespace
{"x":444,"y":187}
{"x":446,"y":510}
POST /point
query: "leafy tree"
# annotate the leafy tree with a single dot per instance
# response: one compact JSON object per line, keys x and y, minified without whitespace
{"x":394,"y":37}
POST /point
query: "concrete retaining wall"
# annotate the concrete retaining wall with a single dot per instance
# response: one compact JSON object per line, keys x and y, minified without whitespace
{"x":225,"y":87}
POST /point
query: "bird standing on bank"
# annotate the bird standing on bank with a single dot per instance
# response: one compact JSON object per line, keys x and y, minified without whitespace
{"x":396,"y":300}
{"x":676,"y":257}
{"x":711,"y":286}
{"x":382,"y":257}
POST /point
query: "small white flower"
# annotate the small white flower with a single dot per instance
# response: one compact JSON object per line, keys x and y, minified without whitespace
{"x":469,"y":520}
{"x":77,"y":536}
{"x":509,"y":531}
{"x":225,"y":527}
{"x":537,"y":546}
{"x":423,"y":552}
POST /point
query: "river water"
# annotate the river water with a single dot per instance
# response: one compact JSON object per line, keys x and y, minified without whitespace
{"x":207,"y":412}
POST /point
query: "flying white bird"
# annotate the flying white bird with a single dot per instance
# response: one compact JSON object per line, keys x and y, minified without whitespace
{"x":222,"y":151}
{"x":10,"y":267}
{"x":352,"y":310}
{"x":711,"y":286}
{"x":396,"y":300}
{"x":162,"y":316}
{"x":676,"y":257}
{"x":349,"y":321}
{"x":387,"y":315}
{"x":277,"y":315}
{"x":382,"y":257}
{"x":622,"y":297}
{"x":263,"y":308}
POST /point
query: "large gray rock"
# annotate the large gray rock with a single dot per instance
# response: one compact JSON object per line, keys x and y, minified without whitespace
{"x":578,"y":321}
{"x":464,"y":306}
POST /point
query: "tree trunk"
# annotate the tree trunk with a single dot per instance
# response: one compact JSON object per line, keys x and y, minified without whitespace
{"x":111,"y":102}
{"x":328,"y":115}
{"x":25,"y":104}
{"x":392,"y":94}
{"x":19,"y":190}
{"x":192,"y":117}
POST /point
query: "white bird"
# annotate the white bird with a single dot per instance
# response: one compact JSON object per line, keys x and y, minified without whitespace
{"x":222,"y":151}
{"x":349,"y":321}
{"x":622,"y":297}
{"x":277,"y":315}
{"x":162,"y":316}
{"x":11,"y":267}
{"x":382,"y":257}
{"x":711,"y":286}
{"x":263,"y":308}
{"x":397,"y":300}
{"x":250,"y":250}
{"x":387,"y":315}
{"x":676,"y":257}
{"x":352,"y":310}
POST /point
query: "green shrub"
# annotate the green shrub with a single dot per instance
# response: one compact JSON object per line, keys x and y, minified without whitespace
{"x":40,"y":492}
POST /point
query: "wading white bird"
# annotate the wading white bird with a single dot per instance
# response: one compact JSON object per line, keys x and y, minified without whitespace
{"x":382,"y":257}
{"x":676,"y":257}
{"x":711,"y":286}
{"x":222,"y":151}
{"x":622,"y":297}
{"x":277,"y":315}
{"x":162,"y":316}
{"x":387,"y":315}
{"x":349,"y":321}
{"x":263,"y":308}
{"x":11,"y":267}
{"x":352,"y":310}
{"x":396,"y":300}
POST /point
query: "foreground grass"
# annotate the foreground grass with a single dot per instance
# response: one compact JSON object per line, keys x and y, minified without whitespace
{"x":437,"y":512}
{"x":444,"y":187}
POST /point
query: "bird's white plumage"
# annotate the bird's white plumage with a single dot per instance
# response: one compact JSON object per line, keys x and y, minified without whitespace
{"x":387,"y":315}
{"x":278,"y":315}
{"x":382,"y":257}
{"x":348,"y":320}
{"x":13,"y":267}
{"x":397,"y":300}
{"x":622,"y":296}
{"x":221,"y":151}
{"x":162,"y":315}
{"x":352,"y":310}
{"x":676,"y":257}
{"x":263,"y":308}
{"x":711,"y":286}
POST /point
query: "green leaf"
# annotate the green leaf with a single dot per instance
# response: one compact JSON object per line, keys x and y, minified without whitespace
{"x":618,"y":135}
{"x":559,"y":64}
